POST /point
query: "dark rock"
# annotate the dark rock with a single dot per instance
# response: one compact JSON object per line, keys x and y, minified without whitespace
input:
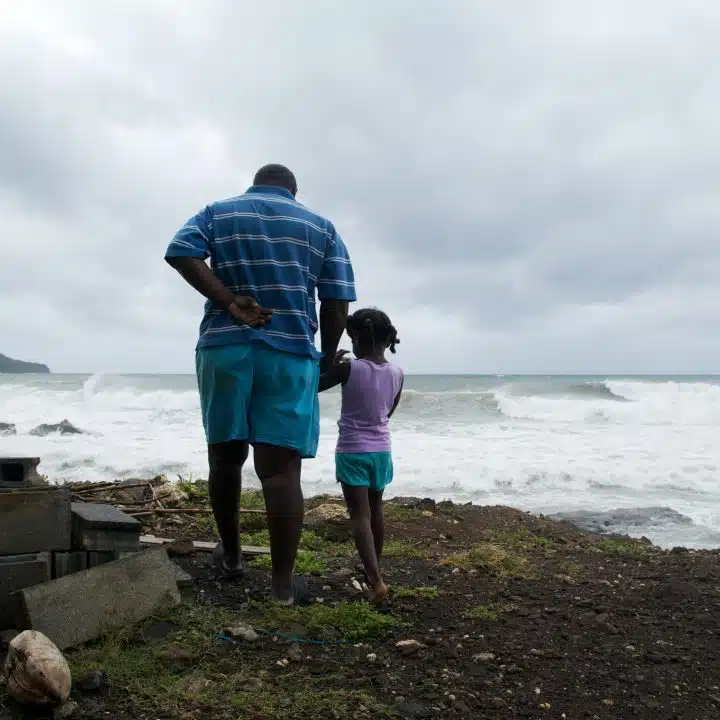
{"x":7,"y":429}
{"x":331,"y":521}
{"x":415,"y":503}
{"x":175,"y":655}
{"x":295,"y":653}
{"x":66,"y":710}
{"x":181,"y":548}
{"x":94,"y":681}
{"x":412,"y":710}
{"x":159,"y":630}
{"x":65,"y":427}
{"x":297,"y":631}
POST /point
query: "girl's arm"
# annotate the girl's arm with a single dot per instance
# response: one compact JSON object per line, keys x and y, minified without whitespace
{"x":338,"y":374}
{"x":397,"y":399}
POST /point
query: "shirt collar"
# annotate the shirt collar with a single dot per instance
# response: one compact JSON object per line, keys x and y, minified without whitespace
{"x":270,"y":190}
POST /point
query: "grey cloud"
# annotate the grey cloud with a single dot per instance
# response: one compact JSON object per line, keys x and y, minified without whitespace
{"x":539,"y":172}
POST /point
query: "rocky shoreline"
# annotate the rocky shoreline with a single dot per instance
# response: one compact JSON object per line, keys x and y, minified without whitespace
{"x":496,"y":614}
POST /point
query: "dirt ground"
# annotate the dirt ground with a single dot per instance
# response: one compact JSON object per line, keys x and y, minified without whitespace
{"x":511,"y":616}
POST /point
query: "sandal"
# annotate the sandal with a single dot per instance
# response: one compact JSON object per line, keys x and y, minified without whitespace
{"x":220,"y":562}
{"x":384,"y":606}
{"x":301,"y":594}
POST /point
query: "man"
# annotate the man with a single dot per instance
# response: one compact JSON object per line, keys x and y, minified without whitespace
{"x":256,"y":361}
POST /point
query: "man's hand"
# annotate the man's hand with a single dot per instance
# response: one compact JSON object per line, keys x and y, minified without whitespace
{"x":335,"y":372}
{"x":340,"y":356}
{"x":328,"y":363}
{"x":246,"y":311}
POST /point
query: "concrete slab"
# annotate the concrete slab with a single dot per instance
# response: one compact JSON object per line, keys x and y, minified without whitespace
{"x":17,"y":572}
{"x":18,"y":472}
{"x":104,"y":528}
{"x":95,"y":558}
{"x":85,"y":605}
{"x":65,"y":563}
{"x":34,"y":520}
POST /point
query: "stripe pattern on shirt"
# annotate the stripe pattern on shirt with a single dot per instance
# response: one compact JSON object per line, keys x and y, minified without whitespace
{"x":266,"y":244}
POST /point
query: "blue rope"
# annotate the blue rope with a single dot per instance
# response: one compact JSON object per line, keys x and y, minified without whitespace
{"x":291,"y":638}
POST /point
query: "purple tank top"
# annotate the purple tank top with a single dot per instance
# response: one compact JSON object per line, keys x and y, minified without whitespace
{"x":367,"y":398}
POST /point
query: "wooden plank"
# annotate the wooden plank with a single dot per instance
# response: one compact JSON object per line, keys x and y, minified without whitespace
{"x":203,"y":546}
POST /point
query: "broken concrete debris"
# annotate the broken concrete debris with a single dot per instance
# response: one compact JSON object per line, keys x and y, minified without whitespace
{"x":65,"y":563}
{"x":74,"y":571}
{"x":34,"y":520}
{"x":104,"y":528}
{"x":83,"y":606}
{"x":17,"y":572}
{"x":18,"y":472}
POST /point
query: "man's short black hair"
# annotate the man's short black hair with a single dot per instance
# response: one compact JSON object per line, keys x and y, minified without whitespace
{"x":276,"y":176}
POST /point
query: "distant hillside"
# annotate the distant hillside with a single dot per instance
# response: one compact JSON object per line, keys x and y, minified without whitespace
{"x":8,"y":365}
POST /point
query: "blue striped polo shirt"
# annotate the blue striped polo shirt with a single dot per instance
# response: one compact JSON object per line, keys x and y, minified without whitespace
{"x":267,"y":245}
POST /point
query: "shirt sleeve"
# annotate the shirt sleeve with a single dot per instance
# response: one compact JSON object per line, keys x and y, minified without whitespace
{"x":194,"y":238}
{"x":336,"y":280}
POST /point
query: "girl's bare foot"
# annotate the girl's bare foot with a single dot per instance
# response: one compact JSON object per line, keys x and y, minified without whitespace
{"x":379,"y":594}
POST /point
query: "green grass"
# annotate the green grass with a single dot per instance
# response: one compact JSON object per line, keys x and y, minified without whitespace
{"x":310,"y":540}
{"x":488,"y":613}
{"x":622,"y":546}
{"x":350,"y":622}
{"x":400,"y":513}
{"x":216,"y":681}
{"x":306,"y":562}
{"x":226,"y":682}
{"x":402,"y":549}
{"x":427,"y":593}
{"x":521,"y":539}
{"x":197,"y":494}
{"x":493,"y":560}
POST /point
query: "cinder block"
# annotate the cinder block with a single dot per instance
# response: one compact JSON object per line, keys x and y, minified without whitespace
{"x":95,"y":558}
{"x":17,"y":572}
{"x":34,"y":520}
{"x":19,"y":472}
{"x":83,"y":606}
{"x":104,"y":528}
{"x":65,"y":563}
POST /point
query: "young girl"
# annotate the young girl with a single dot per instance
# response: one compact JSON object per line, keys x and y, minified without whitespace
{"x":371,"y":389}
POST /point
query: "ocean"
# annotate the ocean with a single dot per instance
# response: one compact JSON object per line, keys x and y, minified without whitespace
{"x":639,"y":455}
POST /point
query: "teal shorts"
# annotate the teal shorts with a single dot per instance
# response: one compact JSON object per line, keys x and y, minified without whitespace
{"x":258,"y":394}
{"x":373,"y":470}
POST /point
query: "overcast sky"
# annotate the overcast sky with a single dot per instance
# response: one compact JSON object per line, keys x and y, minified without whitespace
{"x":523,"y":186}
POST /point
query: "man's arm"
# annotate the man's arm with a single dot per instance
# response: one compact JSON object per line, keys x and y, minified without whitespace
{"x":203,"y":279}
{"x":336,"y":290}
{"x":187,"y":253}
{"x":338,"y":374}
{"x":333,"y":318}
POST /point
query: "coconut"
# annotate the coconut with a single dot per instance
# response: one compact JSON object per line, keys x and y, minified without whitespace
{"x":36,"y":671}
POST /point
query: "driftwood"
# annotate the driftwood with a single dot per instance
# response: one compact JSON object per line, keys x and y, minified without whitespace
{"x":202,"y":545}
{"x":182,"y":511}
{"x":99,"y":487}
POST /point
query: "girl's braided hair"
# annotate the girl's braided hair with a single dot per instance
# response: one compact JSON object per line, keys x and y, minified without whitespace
{"x":373,"y":327}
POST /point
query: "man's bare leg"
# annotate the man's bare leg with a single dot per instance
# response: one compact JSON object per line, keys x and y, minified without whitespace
{"x":358,"y":504}
{"x":224,"y":485}
{"x":279,"y":472}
